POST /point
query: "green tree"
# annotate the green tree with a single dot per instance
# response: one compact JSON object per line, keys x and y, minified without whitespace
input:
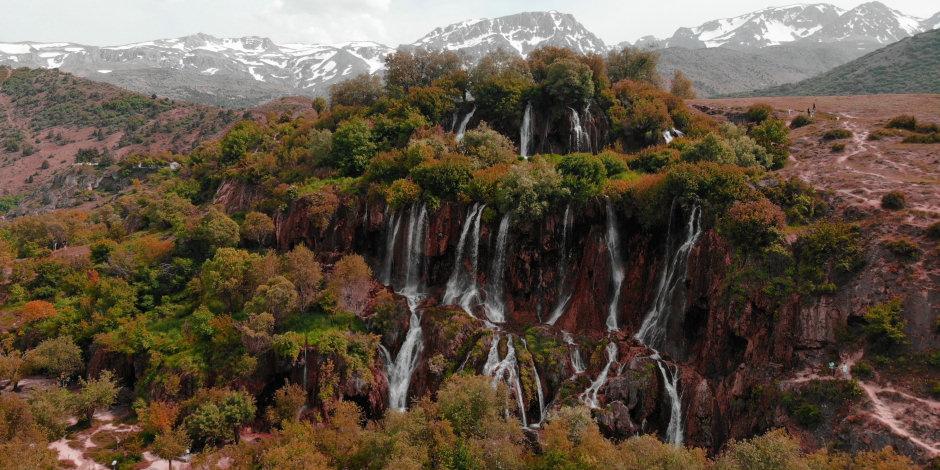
{"x":302,"y":269}
{"x":774,"y":136}
{"x":487,"y":147}
{"x":257,"y":228}
{"x":569,"y":82}
{"x":60,"y":357}
{"x":405,"y":69}
{"x":353,"y":146}
{"x":170,"y":444}
{"x":583,"y":175}
{"x":277,"y":296}
{"x":363,"y":90}
{"x":633,"y":64}
{"x":95,"y":394}
{"x":682,"y":86}
{"x":218,"y":416}
{"x":243,"y":138}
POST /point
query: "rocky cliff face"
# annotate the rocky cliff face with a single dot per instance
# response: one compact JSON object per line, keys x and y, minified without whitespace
{"x":724,"y":351}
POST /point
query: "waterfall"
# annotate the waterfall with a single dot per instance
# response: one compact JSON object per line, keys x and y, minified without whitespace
{"x":507,"y":370}
{"x":589,"y":397}
{"x":453,"y":122}
{"x":563,"y":296}
{"x":462,"y":287}
{"x":654,"y":328}
{"x":401,"y":368}
{"x":674,"y":432}
{"x":394,"y":224}
{"x":577,"y":363}
{"x":677,"y":132}
{"x":667,"y":136}
{"x":526,"y":131}
{"x":616,"y":268}
{"x":495,"y":306}
{"x":417,"y":231}
{"x":577,"y":131}
{"x":538,"y":388}
{"x":463,"y":124}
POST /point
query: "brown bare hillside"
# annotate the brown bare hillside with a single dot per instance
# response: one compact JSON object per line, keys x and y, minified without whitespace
{"x":53,"y":124}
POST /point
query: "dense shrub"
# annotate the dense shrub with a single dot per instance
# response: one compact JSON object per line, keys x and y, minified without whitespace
{"x":837,"y":134}
{"x":904,"y":121}
{"x":893,"y":200}
{"x":801,"y":120}
{"x":800,"y":201}
{"x":825,"y":251}
{"x":402,"y":193}
{"x":353,"y":147}
{"x":583,"y":175}
{"x":902,"y":247}
{"x":837,"y":147}
{"x":819,"y":398}
{"x":752,"y":225}
{"x":932,"y":138}
{"x":445,"y":178}
{"x":759,"y":112}
{"x":885,"y":324}
{"x":487,"y":147}
{"x":933,"y":231}
{"x":773,"y":135}
{"x":653,"y":160}
{"x":363,"y":90}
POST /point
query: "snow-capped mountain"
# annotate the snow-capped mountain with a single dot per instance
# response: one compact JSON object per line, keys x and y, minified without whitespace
{"x":769,"y":27}
{"x":871,"y":23}
{"x":931,"y":23}
{"x":257,"y":66}
{"x":521,"y":33}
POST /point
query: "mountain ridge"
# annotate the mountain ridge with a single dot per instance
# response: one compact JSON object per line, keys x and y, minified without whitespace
{"x":246,"y":71}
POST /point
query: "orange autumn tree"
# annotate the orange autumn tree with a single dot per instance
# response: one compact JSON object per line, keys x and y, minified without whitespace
{"x":37,"y":310}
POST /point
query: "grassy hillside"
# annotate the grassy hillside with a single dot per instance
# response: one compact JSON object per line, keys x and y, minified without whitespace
{"x":53,"y":123}
{"x":908,"y":66}
{"x":721,"y":71}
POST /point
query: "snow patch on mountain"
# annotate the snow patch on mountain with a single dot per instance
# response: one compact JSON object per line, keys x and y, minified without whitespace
{"x":520,"y":33}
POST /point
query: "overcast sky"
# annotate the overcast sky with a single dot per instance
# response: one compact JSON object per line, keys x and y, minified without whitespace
{"x":392,"y":22}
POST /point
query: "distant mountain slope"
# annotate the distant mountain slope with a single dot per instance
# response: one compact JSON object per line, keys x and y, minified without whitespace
{"x":57,"y":131}
{"x":909,"y":66}
{"x":233,"y":72}
{"x":762,"y":28}
{"x":871,"y":22}
{"x":719,"y":70}
{"x":521,"y":33}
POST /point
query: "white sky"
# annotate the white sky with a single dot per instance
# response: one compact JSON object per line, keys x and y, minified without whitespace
{"x":392,"y":22}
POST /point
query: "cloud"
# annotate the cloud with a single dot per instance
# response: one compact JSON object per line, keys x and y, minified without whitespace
{"x":323,"y":21}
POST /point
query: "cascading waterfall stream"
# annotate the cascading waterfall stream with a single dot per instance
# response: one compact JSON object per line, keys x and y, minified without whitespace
{"x":674,"y":431}
{"x":653,"y":331}
{"x":401,"y":368}
{"x":577,"y":131}
{"x":589,"y":397}
{"x":394,"y":223}
{"x":616,"y":268}
{"x":577,"y":363}
{"x":563,"y":295}
{"x":495,"y":306}
{"x":462,"y":286}
{"x":507,"y":370}
{"x":538,"y":388}
{"x":526,"y":132}
{"x":463,"y":124}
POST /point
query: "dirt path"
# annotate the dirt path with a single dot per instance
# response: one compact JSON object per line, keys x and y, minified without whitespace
{"x":912,"y":418}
